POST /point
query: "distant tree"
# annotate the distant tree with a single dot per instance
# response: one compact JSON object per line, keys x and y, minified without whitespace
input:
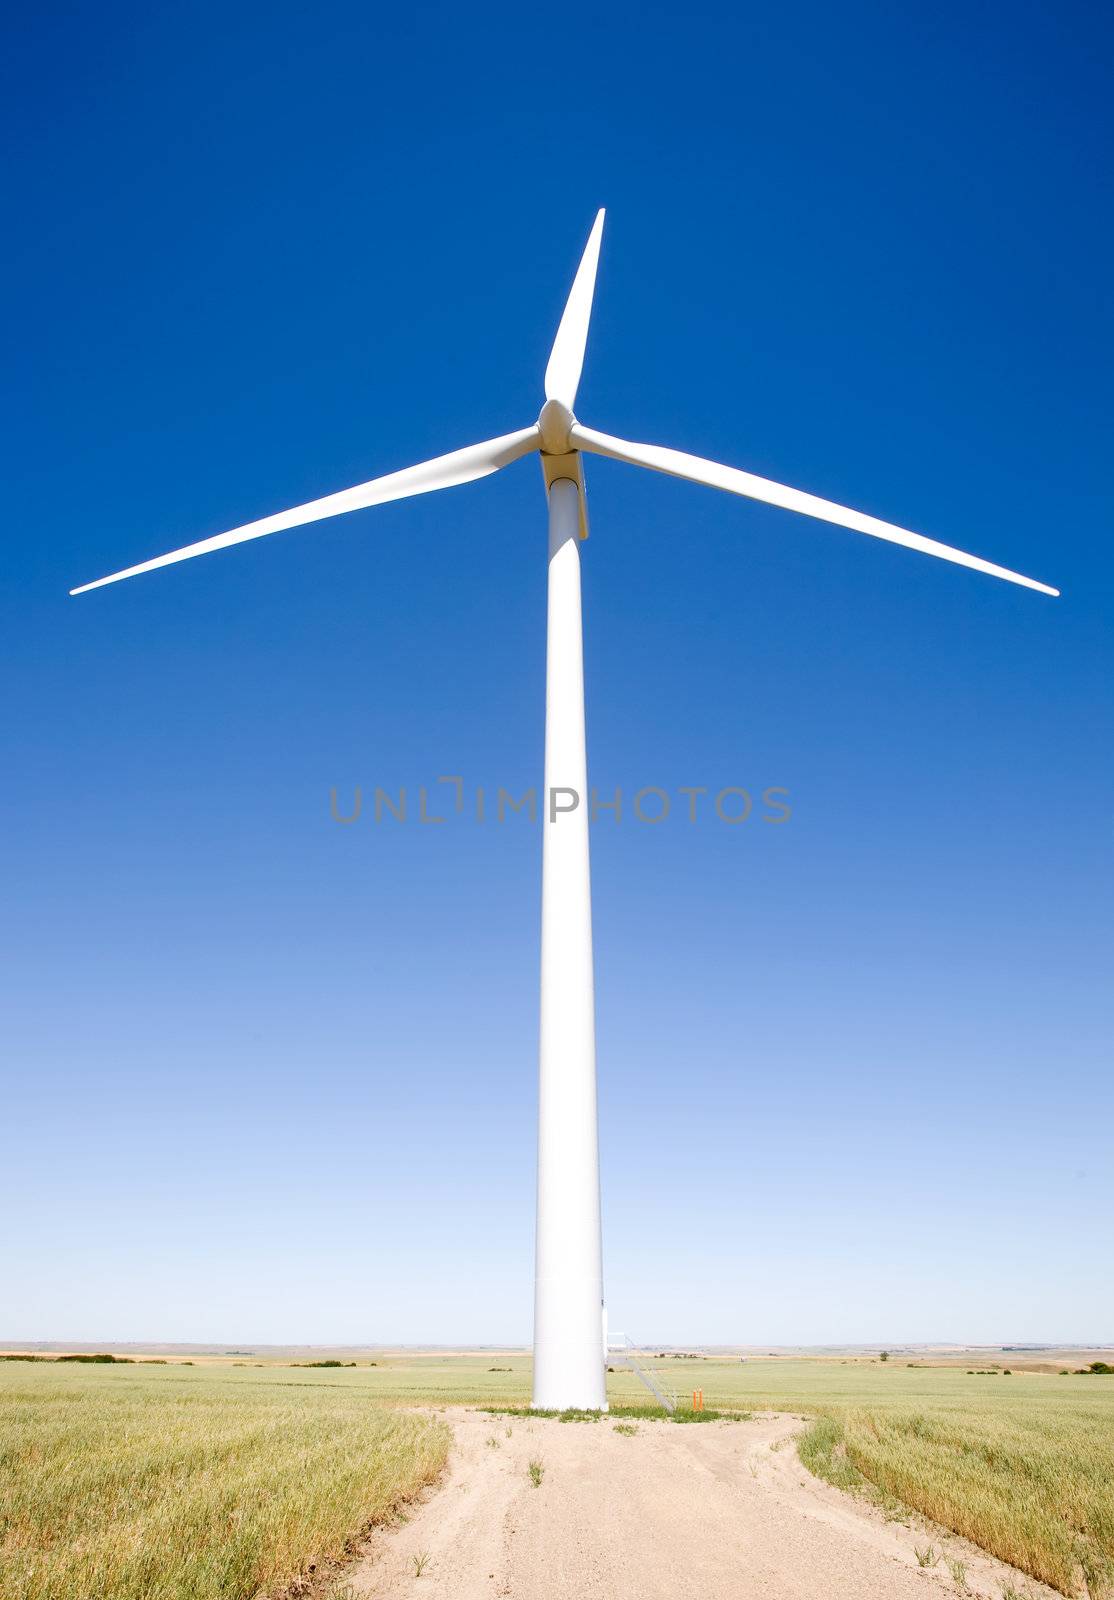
{"x":885,"y":1356}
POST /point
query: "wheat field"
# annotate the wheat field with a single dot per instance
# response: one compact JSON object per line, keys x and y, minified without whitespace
{"x":225,"y":1480}
{"x":165,"y":1483}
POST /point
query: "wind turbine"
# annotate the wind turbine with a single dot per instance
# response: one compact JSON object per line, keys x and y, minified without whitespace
{"x":569,"y":1328}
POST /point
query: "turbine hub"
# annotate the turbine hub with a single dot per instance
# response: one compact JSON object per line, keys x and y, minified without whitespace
{"x":555,"y":425}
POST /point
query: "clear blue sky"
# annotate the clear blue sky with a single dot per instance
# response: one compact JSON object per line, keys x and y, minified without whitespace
{"x":273,"y":1078}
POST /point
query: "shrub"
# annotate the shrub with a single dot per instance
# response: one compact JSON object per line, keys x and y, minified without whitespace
{"x":100,"y":1360}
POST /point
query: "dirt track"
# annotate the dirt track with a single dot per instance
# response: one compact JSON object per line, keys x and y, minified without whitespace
{"x":719,"y":1511}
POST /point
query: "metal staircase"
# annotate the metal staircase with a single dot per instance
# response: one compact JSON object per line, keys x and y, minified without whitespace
{"x":622,"y":1349}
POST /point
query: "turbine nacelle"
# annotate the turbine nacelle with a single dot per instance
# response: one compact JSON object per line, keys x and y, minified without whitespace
{"x":559,"y":456}
{"x":555,"y":425}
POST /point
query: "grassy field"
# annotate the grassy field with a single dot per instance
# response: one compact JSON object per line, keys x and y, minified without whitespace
{"x":171,"y":1483}
{"x":243,"y":1472}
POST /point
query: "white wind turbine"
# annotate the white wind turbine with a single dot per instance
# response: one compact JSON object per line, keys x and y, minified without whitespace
{"x":569,"y":1334}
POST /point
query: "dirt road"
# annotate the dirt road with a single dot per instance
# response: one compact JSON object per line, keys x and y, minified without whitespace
{"x":717,"y":1511}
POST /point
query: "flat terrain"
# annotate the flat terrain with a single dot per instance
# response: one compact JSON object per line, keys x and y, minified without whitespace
{"x":655,"y":1511}
{"x":137,"y":1483}
{"x":216,"y":1481}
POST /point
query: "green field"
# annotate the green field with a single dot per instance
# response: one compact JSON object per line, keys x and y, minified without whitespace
{"x":222,"y":1480}
{"x":172,"y":1483}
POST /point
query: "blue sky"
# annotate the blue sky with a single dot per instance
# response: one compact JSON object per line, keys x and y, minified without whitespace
{"x":273,"y":1078}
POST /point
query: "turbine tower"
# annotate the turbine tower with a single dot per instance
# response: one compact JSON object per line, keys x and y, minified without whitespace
{"x":569,"y":1329}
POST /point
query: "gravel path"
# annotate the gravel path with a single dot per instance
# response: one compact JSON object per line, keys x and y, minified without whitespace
{"x":717,"y":1511}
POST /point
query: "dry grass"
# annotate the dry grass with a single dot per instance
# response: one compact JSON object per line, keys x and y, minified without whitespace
{"x":165,"y":1484}
{"x":1036,"y":1491}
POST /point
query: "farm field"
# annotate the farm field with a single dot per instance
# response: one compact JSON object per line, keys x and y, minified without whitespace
{"x":162,"y":1483}
{"x":240,"y":1473}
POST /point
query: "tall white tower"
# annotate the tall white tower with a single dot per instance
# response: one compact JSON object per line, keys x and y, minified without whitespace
{"x":569,"y":1357}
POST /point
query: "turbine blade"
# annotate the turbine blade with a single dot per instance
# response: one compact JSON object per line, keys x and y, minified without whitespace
{"x":461,"y":466}
{"x":566,"y":359}
{"x":680,"y":465}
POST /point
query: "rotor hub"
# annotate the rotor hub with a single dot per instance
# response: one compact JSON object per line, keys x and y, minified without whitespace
{"x":555,"y":426}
